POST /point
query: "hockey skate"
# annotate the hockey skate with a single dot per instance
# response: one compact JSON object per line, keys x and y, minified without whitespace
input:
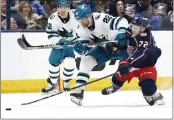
{"x":77,"y":96}
{"x":156,"y":98}
{"x":50,"y":88}
{"x":109,"y":90}
{"x":66,"y":85}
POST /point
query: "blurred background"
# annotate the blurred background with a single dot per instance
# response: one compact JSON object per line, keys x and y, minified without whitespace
{"x":33,"y":14}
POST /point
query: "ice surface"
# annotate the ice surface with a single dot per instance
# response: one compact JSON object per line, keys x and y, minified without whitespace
{"x":123,"y":104}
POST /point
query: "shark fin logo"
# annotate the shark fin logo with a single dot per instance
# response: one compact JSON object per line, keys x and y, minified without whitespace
{"x":99,"y":39}
{"x":65,"y":33}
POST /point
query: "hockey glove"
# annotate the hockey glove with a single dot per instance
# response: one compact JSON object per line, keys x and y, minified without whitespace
{"x":112,"y":47}
{"x":121,"y":38}
{"x":80,"y":48}
{"x":123,"y":67}
{"x":65,"y":42}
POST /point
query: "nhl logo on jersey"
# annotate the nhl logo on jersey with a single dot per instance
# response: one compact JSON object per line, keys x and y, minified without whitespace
{"x":143,"y":34}
{"x":97,"y":17}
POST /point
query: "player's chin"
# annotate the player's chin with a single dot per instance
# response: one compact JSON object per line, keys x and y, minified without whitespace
{"x":133,"y":34}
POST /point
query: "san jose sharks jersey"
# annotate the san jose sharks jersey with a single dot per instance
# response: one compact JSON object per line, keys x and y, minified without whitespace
{"x":58,"y":28}
{"x":104,"y":28}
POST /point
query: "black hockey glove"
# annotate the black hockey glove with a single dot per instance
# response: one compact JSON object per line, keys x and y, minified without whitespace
{"x":123,"y":67}
{"x":112,"y":47}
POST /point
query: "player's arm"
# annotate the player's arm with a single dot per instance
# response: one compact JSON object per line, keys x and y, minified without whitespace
{"x":82,"y":35}
{"x":120,"y":24}
{"x":148,"y":39}
{"x":117,"y":26}
{"x":52,"y":29}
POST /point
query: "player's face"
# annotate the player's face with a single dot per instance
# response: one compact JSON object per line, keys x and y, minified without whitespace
{"x":136,"y":30}
{"x":63,"y":10}
{"x":85,"y":22}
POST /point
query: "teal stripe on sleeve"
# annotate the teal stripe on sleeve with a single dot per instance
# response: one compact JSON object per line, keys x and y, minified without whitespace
{"x":51,"y":36}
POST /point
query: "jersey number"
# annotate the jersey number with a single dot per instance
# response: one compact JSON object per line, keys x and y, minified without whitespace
{"x":49,"y":26}
{"x":143,"y":44}
{"x":107,"y":18}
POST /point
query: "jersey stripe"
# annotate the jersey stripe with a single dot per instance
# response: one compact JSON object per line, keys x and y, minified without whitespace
{"x":112,"y":24}
{"x":51,"y":32}
{"x":51,"y":36}
{"x":119,"y":19}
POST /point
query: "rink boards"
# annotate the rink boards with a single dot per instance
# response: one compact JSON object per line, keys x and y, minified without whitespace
{"x":26,"y":71}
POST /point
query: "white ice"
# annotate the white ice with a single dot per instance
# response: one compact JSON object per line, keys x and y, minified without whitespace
{"x":123,"y":104}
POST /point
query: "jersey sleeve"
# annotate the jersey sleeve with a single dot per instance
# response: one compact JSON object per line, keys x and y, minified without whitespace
{"x":116,"y":26}
{"x":119,"y":23}
{"x":52,"y":28}
{"x":150,"y":39}
{"x":114,"y":23}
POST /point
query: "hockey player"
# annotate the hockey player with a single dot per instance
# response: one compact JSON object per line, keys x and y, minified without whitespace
{"x":140,"y":63}
{"x":60,"y":29}
{"x":99,"y":27}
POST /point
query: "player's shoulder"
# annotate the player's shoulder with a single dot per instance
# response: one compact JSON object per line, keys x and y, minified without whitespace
{"x":53,"y":16}
{"x":72,"y":11}
{"x":147,"y":32}
{"x":100,"y":16}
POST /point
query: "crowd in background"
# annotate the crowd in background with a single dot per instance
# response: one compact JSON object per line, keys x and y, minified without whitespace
{"x":33,"y":14}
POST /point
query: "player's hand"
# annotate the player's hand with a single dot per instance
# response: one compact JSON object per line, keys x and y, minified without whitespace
{"x":65,"y":42}
{"x":122,"y":39}
{"x":112,"y":47}
{"x":80,"y":48}
{"x":123,"y":67}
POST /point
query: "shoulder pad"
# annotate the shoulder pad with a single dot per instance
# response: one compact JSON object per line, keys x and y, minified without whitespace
{"x":52,"y":16}
{"x":97,"y":16}
{"x":72,"y":10}
{"x":143,"y":34}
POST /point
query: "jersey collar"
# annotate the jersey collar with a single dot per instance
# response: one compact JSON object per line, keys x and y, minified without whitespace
{"x":64,"y":20}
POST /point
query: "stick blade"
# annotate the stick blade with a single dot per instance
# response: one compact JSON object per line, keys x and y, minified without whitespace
{"x":21,"y":44}
{"x":25,"y":41}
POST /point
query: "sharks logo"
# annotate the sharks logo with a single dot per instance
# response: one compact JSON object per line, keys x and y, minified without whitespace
{"x":99,"y":39}
{"x":97,"y":17}
{"x":65,"y":33}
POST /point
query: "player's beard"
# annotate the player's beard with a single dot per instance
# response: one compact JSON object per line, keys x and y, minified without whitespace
{"x":84,"y":24}
{"x":90,"y":22}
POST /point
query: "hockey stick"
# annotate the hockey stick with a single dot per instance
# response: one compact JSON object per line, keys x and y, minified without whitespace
{"x":26,"y":46}
{"x":68,"y":90}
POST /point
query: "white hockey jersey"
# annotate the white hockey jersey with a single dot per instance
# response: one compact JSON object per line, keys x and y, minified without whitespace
{"x":105,"y":27}
{"x":58,"y":28}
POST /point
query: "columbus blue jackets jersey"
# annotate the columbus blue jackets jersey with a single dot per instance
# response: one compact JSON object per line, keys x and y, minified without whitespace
{"x":143,"y":40}
{"x":144,"y":50}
